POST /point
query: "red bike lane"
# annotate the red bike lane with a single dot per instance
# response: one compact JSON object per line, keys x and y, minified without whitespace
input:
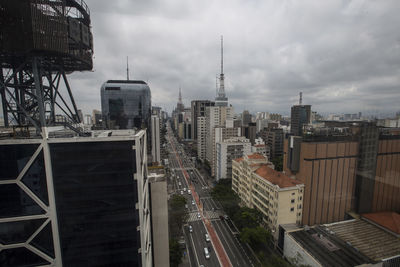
{"x":221,"y":253}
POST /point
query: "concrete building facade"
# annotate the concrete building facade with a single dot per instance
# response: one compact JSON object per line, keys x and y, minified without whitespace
{"x":357,"y":171}
{"x":155,"y":139}
{"x":198,"y":109}
{"x":273,"y":138}
{"x":228,"y":150}
{"x":278,"y":197}
{"x":201,"y":138}
{"x":216,"y":117}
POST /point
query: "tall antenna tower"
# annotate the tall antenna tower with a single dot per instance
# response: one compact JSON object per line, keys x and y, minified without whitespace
{"x":222,"y":78}
{"x":301,"y":98}
{"x":221,"y":99}
{"x":127,"y":68}
{"x":216,"y":84}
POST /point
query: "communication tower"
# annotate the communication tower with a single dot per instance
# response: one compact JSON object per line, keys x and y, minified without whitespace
{"x":40,"y":43}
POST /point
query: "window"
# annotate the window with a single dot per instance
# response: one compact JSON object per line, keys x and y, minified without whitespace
{"x":292,"y":201}
{"x":291,"y":209}
{"x":293,"y":194}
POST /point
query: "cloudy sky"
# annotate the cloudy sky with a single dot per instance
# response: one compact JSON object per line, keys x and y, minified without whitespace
{"x":343,"y":55}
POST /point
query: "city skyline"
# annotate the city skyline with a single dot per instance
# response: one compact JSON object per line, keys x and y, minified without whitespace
{"x":341,"y":56}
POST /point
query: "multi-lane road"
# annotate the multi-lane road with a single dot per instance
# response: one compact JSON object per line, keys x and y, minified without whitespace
{"x":205,"y":215}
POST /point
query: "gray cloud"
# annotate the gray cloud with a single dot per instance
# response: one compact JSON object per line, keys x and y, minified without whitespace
{"x":343,"y":55}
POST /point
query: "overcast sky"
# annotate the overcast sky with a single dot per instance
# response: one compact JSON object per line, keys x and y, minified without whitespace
{"x":343,"y":55}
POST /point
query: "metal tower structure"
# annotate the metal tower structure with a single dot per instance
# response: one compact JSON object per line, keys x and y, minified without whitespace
{"x":180,"y":106}
{"x":221,"y":99}
{"x":301,"y":99}
{"x":40,"y":43}
{"x":127,"y":68}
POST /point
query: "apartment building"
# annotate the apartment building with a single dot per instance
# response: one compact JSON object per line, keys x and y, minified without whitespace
{"x":201,"y":138}
{"x":198,"y":109}
{"x":228,"y":150}
{"x":216,"y":117}
{"x":278,"y":197}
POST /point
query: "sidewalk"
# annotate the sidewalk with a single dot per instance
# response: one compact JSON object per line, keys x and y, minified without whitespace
{"x":185,"y":260}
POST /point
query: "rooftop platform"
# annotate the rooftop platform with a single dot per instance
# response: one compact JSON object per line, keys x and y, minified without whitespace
{"x":371,"y":240}
{"x":327,"y":249}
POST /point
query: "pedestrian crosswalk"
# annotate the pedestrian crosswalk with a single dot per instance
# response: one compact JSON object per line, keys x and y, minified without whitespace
{"x":208,"y":214}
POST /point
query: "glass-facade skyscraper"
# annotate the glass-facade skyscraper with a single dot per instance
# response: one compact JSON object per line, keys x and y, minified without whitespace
{"x":80,"y":201}
{"x":126,"y":104}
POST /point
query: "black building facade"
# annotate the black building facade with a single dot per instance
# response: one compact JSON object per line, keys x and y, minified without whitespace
{"x":72,"y":202}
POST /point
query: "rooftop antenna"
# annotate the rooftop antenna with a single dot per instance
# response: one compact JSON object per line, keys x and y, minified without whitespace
{"x":301,"y":98}
{"x":216,"y":84}
{"x":127,"y":68}
{"x":222,"y":54}
{"x":221,"y":82}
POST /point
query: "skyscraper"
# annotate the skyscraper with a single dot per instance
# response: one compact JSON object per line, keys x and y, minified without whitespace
{"x":345,"y":167}
{"x":300,"y":115}
{"x":126,"y":104}
{"x":155,"y":138}
{"x":198,"y":109}
{"x":80,"y":201}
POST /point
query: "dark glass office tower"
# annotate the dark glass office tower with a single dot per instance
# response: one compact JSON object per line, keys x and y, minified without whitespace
{"x":74,"y":202}
{"x":299,"y":116}
{"x":126,"y":104}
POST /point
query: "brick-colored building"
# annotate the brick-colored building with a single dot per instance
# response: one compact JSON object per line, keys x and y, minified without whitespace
{"x":358,"y":170}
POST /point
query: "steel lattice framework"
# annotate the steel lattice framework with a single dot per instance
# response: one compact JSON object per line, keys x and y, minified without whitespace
{"x":40,"y":42}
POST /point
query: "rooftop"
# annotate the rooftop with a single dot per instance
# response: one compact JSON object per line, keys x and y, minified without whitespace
{"x":371,"y":240}
{"x":327,"y":249}
{"x":389,"y":220}
{"x":126,"y":81}
{"x":275,"y":177}
{"x":255,"y":156}
{"x":239,"y":159}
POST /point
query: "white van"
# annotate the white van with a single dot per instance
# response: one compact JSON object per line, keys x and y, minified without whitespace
{"x":206,"y":253}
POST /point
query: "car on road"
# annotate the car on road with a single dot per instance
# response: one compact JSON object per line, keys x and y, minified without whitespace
{"x":206,"y":253}
{"x":181,"y":192}
{"x":190,"y":229}
{"x":193,"y":203}
{"x":207,"y":238}
{"x":189,"y":192}
{"x":198,"y":215}
{"x":184,"y":189}
{"x":179,"y":183}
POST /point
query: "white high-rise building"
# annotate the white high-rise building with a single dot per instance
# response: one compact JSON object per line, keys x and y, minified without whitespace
{"x":201,"y":138}
{"x":217,"y":117}
{"x":155,"y":138}
{"x":228,"y":150}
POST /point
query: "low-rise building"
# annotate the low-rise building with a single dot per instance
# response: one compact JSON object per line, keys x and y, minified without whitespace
{"x":371,"y":240}
{"x":278,"y":197}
